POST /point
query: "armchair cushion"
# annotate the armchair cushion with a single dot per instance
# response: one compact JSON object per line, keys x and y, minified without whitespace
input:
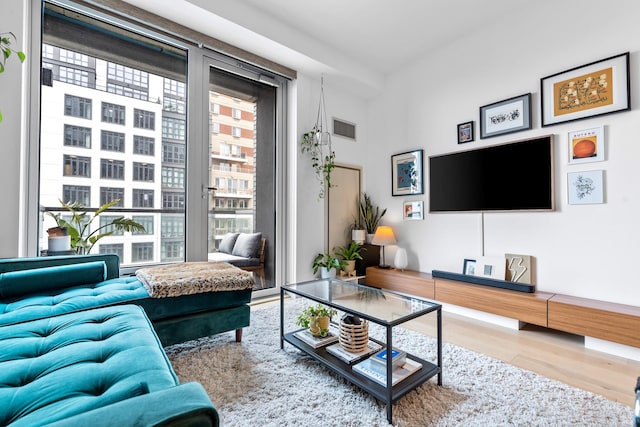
{"x":247,"y":245}
{"x":227,"y":243}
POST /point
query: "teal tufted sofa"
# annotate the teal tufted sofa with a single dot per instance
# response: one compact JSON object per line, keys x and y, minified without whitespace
{"x":100,"y":367}
{"x":35,"y":288}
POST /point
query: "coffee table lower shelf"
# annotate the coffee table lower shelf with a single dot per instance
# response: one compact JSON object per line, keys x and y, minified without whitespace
{"x":345,"y":370}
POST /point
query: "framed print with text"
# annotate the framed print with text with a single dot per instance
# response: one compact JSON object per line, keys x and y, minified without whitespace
{"x":594,"y":89}
{"x":406,"y":173}
{"x":586,"y":145}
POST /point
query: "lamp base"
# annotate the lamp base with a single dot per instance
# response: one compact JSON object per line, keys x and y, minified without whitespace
{"x":384,"y":266}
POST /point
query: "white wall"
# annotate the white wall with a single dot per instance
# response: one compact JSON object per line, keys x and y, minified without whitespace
{"x":583,"y":250}
{"x":310,"y":218}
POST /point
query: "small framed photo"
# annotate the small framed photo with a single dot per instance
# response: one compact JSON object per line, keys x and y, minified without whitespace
{"x":594,"y":89}
{"x":586,"y":187}
{"x":508,"y":116}
{"x":586,"y":145}
{"x":465,"y":132}
{"x":413,"y":210}
{"x":491,"y":267}
{"x":469,"y":267}
{"x":406,"y":173}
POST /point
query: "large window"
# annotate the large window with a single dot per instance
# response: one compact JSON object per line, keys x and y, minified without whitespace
{"x":145,"y":123}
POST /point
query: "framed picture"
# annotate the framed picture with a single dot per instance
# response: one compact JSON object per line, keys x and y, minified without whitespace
{"x":508,"y":116}
{"x":491,"y":267}
{"x":586,"y":187}
{"x":406,"y":173}
{"x":519,"y":269}
{"x":469,"y":267}
{"x":594,"y":89}
{"x":586,"y":145}
{"x":413,"y":210}
{"x":465,"y":132}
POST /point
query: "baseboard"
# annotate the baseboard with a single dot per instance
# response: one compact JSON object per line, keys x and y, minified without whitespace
{"x":613,"y":348}
{"x":483,"y":316}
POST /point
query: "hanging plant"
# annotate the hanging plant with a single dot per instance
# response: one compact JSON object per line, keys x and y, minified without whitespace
{"x":6,"y":51}
{"x":322,"y":161}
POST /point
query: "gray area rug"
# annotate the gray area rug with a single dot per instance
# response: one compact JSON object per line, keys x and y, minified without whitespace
{"x":254,"y":383}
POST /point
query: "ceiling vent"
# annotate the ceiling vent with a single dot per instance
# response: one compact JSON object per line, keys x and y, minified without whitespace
{"x":344,"y":129}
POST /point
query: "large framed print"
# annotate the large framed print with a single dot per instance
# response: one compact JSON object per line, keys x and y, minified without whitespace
{"x":406,"y":173}
{"x":598,"y":88}
{"x":508,"y":116}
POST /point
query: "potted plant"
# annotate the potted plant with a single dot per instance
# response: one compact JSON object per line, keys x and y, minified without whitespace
{"x":79,"y":226}
{"x":6,"y":51}
{"x":327,"y":264}
{"x":322,"y":162}
{"x":349,"y":255}
{"x":370,"y":215}
{"x":316,"y":318}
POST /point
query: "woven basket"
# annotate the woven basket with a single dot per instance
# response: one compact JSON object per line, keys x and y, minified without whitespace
{"x":354,"y":338}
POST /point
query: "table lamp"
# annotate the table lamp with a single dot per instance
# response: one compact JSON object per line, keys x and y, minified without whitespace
{"x":383,"y":236}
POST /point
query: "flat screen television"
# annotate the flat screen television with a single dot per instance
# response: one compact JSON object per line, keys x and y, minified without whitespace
{"x":509,"y":177}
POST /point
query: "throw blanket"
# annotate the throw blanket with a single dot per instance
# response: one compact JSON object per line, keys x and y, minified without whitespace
{"x":193,"y":278}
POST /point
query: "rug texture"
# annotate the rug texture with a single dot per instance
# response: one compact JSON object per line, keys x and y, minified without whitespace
{"x":255,"y":383}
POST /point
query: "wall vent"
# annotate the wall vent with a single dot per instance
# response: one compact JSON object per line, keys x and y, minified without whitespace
{"x":344,"y":129}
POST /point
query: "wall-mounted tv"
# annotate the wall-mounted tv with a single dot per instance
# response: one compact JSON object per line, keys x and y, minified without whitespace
{"x":507,"y":177}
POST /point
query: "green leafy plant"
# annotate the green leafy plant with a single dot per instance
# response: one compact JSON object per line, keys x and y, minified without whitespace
{"x":79,"y":226}
{"x":309,"y":317}
{"x":327,"y":261}
{"x":370,"y":215}
{"x":350,"y":252}
{"x":5,"y":47}
{"x":322,"y":163}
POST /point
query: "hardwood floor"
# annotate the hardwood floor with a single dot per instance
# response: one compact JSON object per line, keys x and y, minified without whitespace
{"x":554,"y":354}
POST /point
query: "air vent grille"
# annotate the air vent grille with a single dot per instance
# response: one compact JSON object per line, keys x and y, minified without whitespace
{"x":344,"y":129}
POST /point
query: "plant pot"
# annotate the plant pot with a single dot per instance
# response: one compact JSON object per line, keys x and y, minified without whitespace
{"x":327,"y":274}
{"x":319,"y":326}
{"x":358,"y":236}
{"x":369,"y":238}
{"x":351,"y":266}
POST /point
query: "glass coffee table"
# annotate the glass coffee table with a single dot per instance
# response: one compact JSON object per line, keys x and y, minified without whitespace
{"x":379,"y":306}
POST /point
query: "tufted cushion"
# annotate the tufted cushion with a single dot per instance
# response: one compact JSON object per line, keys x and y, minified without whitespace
{"x":57,"y":367}
{"x":247,"y":245}
{"x":114,"y":291}
{"x":25,"y":282}
{"x":227,"y":242}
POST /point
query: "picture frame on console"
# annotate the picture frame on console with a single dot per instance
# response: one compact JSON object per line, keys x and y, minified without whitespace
{"x":406,"y":173}
{"x":492,"y":267}
{"x":465,"y":132}
{"x":507,"y":116}
{"x":594,"y":89}
{"x":469,"y":267}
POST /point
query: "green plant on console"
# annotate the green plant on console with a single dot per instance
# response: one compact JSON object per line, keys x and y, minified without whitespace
{"x":5,"y":47}
{"x":327,"y":261}
{"x":79,"y":226}
{"x":370,"y":216}
{"x":310,"y":318}
{"x":350,"y":252}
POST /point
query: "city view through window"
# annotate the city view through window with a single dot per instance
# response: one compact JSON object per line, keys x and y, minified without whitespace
{"x":110,"y":131}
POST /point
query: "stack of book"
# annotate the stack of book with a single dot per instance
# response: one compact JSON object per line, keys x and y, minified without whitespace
{"x":375,"y":367}
{"x":350,"y":357}
{"x":316,"y":341}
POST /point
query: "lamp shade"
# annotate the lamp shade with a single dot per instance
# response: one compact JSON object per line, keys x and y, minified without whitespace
{"x":384,"y":236}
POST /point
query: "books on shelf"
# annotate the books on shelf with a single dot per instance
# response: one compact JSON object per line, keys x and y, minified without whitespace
{"x":349,"y":357}
{"x":378,"y":372}
{"x":398,"y":357}
{"x":308,"y":338}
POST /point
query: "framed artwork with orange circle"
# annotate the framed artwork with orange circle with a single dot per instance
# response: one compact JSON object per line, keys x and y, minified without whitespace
{"x":586,"y":145}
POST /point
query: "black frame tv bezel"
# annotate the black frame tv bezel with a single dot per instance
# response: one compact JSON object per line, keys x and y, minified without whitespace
{"x":552,"y":177}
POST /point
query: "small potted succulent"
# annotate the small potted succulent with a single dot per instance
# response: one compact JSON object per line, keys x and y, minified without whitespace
{"x":349,"y":255}
{"x":317,"y":319}
{"x":327,"y":264}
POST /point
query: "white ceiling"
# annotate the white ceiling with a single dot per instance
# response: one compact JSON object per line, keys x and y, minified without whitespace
{"x":359,"y":41}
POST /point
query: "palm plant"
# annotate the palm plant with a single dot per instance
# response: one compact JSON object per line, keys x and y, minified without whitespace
{"x":79,"y":226}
